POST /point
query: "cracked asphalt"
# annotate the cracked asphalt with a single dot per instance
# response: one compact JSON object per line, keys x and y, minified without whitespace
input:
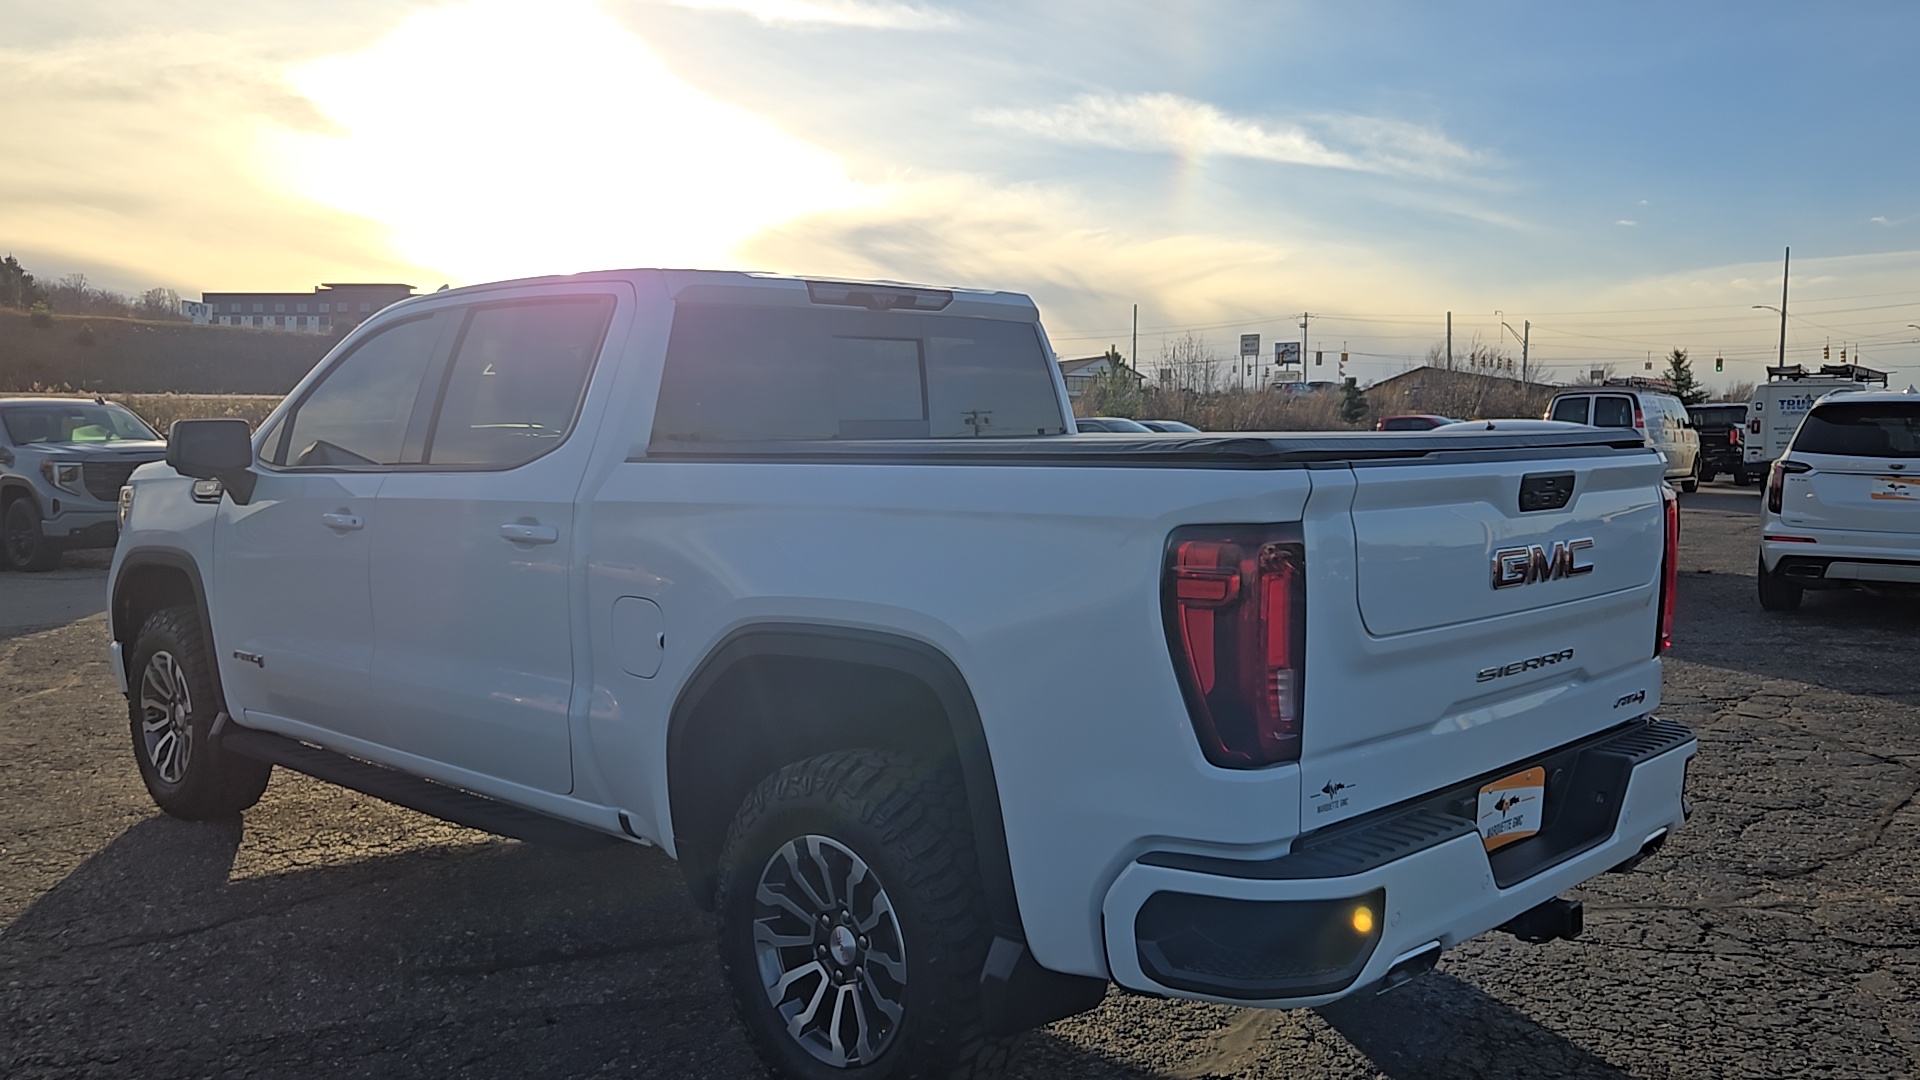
{"x":333,"y":935}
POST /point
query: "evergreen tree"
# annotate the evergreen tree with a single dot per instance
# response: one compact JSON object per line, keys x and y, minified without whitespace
{"x":1680,"y":374}
{"x":1353,"y":403}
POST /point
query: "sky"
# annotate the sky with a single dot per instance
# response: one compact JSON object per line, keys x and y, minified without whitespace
{"x":1613,"y":180}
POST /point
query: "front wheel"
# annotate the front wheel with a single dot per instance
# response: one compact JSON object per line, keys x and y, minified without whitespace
{"x":22,"y":545}
{"x":852,"y":930}
{"x":1776,"y":592}
{"x":171,"y":710}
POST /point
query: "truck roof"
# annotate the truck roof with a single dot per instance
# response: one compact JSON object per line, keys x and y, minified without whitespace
{"x":756,"y":287}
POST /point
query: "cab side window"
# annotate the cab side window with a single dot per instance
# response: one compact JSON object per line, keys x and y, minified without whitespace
{"x":516,"y":381}
{"x":1572,"y":410}
{"x":357,"y":415}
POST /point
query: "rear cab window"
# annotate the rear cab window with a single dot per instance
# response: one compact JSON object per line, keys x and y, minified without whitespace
{"x":1862,"y":429}
{"x":746,"y":373}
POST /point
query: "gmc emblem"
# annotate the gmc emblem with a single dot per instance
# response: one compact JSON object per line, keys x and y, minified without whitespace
{"x":1526,"y":565}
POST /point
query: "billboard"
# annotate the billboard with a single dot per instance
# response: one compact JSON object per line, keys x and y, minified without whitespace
{"x":1286,"y":352}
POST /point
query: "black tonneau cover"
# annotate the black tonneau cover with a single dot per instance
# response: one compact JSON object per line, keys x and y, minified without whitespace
{"x":1256,"y":450}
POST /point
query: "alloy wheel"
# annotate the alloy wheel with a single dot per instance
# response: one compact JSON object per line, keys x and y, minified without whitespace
{"x":166,"y":716}
{"x":830,"y":952}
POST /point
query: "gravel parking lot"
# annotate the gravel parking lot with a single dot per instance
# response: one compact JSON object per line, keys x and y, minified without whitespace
{"x":333,"y":935}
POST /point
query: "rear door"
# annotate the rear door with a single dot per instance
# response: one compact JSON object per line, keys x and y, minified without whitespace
{"x":472,"y":555}
{"x":1864,"y":457}
{"x":1469,"y":628}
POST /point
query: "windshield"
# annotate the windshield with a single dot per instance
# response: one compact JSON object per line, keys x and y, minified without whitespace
{"x":73,"y":422}
{"x":1862,"y":429}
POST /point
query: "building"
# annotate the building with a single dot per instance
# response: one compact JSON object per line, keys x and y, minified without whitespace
{"x":1079,"y":374}
{"x":328,"y":309}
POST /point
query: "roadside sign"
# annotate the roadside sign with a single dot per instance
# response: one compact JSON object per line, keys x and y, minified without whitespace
{"x":1249,"y":344}
{"x":1286,"y":352}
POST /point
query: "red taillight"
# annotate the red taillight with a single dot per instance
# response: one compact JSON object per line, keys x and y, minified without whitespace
{"x":1639,"y":418}
{"x":1669,"y":569}
{"x":1776,"y":485}
{"x":1234,"y":601}
{"x":1733,"y":435}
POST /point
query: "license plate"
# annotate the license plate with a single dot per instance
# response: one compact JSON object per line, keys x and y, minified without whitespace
{"x":1510,"y":808}
{"x":1894,"y":489}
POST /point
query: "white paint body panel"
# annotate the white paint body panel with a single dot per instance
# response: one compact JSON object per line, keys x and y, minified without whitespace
{"x":456,"y":655}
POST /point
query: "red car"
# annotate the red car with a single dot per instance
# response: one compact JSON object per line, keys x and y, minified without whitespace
{"x":1411,"y":422}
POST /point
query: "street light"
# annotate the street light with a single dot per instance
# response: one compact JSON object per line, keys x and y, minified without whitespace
{"x":1783,"y":328}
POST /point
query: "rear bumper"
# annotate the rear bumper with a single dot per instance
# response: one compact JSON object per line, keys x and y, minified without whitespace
{"x":1840,"y":558}
{"x":1420,"y":870}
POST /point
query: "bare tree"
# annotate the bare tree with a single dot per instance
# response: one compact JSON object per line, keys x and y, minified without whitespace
{"x":1740,"y":391}
{"x":1190,"y":364}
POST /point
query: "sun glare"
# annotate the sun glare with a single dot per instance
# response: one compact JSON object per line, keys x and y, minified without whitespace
{"x":498,"y":139}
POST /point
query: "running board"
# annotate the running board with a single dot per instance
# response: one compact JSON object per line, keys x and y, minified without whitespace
{"x":430,"y":798}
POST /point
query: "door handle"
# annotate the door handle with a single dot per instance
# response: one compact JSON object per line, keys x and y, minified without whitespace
{"x":341,"y":521}
{"x":523,"y":533}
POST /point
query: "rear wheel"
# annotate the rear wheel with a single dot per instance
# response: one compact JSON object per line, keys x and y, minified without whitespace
{"x":22,"y":545}
{"x":1741,"y":477}
{"x":1691,"y":482}
{"x":1776,"y":592}
{"x":852,"y":930}
{"x":171,"y":710}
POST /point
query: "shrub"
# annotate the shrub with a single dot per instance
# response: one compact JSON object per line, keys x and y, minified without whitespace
{"x":85,"y":336}
{"x":41,"y":314}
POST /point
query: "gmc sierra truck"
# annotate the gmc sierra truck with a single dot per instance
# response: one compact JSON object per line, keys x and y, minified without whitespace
{"x":954,"y":715}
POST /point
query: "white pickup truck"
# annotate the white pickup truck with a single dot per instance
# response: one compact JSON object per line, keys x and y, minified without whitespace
{"x":954,"y":714}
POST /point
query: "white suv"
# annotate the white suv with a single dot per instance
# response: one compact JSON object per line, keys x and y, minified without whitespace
{"x":1843,"y":502}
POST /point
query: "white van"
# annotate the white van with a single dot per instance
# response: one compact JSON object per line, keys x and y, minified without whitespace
{"x":1780,"y":403}
{"x":1642,"y":405}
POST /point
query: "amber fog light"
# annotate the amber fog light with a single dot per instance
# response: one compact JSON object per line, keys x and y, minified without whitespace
{"x":1257,"y":949}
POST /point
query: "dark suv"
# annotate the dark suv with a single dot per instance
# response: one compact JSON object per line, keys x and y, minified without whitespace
{"x":1723,"y":430}
{"x":62,"y":461}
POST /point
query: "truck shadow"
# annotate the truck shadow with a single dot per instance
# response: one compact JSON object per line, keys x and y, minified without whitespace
{"x":1441,"y":1027}
{"x":163,"y":954}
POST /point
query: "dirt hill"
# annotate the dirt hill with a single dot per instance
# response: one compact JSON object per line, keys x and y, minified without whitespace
{"x":136,"y":356}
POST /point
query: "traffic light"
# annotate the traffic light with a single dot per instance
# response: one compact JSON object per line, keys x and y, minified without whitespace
{"x":1719,"y":364}
{"x":1826,"y":352}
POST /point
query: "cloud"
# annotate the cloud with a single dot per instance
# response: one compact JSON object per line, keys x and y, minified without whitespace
{"x":1627,"y":222}
{"x":1170,"y":123}
{"x":130,"y":158}
{"x":1083,"y":268}
{"x":553,"y":169}
{"x":872,"y":14}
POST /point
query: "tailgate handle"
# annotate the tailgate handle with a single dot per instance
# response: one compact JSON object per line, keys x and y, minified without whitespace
{"x":1545,"y":491}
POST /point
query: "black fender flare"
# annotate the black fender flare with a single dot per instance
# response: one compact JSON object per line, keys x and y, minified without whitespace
{"x":169,"y":558}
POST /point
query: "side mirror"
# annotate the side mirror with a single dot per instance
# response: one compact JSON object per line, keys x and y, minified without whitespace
{"x":214,"y":450}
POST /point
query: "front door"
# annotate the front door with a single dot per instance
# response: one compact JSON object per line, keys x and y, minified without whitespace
{"x":292,"y":611}
{"x":472,"y":555}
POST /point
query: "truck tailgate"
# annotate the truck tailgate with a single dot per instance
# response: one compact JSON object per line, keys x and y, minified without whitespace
{"x":1454,"y":633}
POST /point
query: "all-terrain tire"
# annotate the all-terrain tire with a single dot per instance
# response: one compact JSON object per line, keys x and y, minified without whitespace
{"x":906,"y":824}
{"x":171,"y":706}
{"x":22,"y":545}
{"x":1776,"y":592}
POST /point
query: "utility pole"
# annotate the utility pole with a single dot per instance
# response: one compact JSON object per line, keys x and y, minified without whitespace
{"x":1786,"y":264}
{"x":1449,"y":341}
{"x":1135,"y":355}
{"x":1526,"y":331}
{"x":1304,"y":316}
